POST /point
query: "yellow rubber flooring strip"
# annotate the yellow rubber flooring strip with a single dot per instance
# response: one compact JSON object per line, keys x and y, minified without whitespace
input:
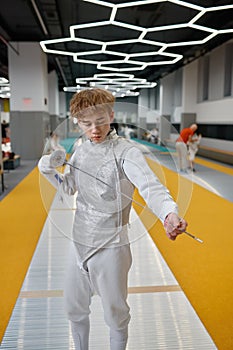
{"x":215,"y":166}
{"x":204,"y":271}
{"x":22,"y":216}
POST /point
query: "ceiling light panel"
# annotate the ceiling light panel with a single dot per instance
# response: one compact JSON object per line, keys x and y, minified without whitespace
{"x":120,"y":93}
{"x":170,"y":35}
{"x":216,"y":17}
{"x":122,"y":66}
{"x":163,"y":13}
{"x":4,"y":88}
{"x":142,"y":45}
{"x":97,"y":56}
{"x":47,"y":44}
{"x":122,"y":80}
{"x":134,"y":47}
{"x":3,"y":81}
{"x":113,"y":76}
{"x":115,"y":30}
{"x":156,"y":58}
{"x":121,"y":4}
{"x":119,"y":84}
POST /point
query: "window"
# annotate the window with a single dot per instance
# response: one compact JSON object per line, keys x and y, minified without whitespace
{"x":206,"y":64}
{"x":228,"y":70}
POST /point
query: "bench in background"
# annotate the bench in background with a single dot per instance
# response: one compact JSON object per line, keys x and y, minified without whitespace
{"x":216,"y":154}
{"x":9,"y":164}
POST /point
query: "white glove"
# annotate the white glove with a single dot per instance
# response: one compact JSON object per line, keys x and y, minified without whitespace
{"x":45,"y":166}
{"x":57,"y":158}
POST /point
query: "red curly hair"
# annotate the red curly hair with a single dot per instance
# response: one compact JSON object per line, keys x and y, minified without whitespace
{"x":95,"y":98}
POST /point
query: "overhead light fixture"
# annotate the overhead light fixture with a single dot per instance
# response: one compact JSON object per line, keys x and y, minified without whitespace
{"x":120,"y":93}
{"x":3,"y":81}
{"x":4,"y":88}
{"x":119,"y":84}
{"x":134,"y":61}
{"x":122,"y":80}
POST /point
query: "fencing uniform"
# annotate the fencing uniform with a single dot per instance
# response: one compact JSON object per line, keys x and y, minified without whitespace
{"x":193,"y":147}
{"x":100,"y":255}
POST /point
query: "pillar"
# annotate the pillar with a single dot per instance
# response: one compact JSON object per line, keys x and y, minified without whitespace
{"x":29,"y":117}
{"x":53,"y":104}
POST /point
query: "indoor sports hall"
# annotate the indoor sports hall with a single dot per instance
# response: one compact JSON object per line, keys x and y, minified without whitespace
{"x":169,"y":65}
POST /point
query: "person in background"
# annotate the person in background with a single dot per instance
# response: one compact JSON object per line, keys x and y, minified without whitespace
{"x":154,"y":134}
{"x":193,"y":145}
{"x":53,"y":143}
{"x":181,"y":147}
{"x":128,"y":132}
{"x":115,"y":126}
{"x":5,"y":132}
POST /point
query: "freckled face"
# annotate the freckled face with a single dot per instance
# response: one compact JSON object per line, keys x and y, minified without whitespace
{"x":96,"y":125}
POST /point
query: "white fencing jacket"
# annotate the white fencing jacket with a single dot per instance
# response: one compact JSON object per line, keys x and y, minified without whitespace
{"x":107,"y":176}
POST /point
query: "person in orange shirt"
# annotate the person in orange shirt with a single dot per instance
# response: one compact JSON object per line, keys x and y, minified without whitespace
{"x":181,"y":146}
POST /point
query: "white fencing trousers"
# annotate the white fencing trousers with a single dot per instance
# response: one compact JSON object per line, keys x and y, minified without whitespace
{"x":107,"y":276}
{"x":182,"y":153}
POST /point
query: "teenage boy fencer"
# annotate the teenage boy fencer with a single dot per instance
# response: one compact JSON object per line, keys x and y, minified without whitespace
{"x":103,"y":173}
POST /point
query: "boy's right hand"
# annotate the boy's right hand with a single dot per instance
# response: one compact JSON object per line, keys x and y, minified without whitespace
{"x":174,"y":226}
{"x":57,"y":158}
{"x":44,"y":165}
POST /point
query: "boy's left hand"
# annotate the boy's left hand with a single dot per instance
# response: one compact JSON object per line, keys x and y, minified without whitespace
{"x":174,"y":225}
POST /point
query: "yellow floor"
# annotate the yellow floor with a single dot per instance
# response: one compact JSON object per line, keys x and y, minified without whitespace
{"x":215,"y":166}
{"x":22,"y":216}
{"x":204,"y":271}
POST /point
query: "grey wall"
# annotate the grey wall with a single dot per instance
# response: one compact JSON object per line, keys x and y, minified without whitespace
{"x":187,"y":119}
{"x":28,"y":133}
{"x":165,"y":128}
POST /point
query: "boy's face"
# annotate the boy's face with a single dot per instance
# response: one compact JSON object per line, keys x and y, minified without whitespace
{"x":96,"y":125}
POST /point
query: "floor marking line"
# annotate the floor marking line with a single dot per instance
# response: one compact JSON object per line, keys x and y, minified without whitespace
{"x":132,"y":290}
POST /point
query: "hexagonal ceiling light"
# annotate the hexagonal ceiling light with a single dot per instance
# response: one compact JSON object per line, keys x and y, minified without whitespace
{"x":4,"y":88}
{"x":121,"y":85}
{"x":152,"y":38}
{"x":190,"y":24}
{"x":121,"y":94}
